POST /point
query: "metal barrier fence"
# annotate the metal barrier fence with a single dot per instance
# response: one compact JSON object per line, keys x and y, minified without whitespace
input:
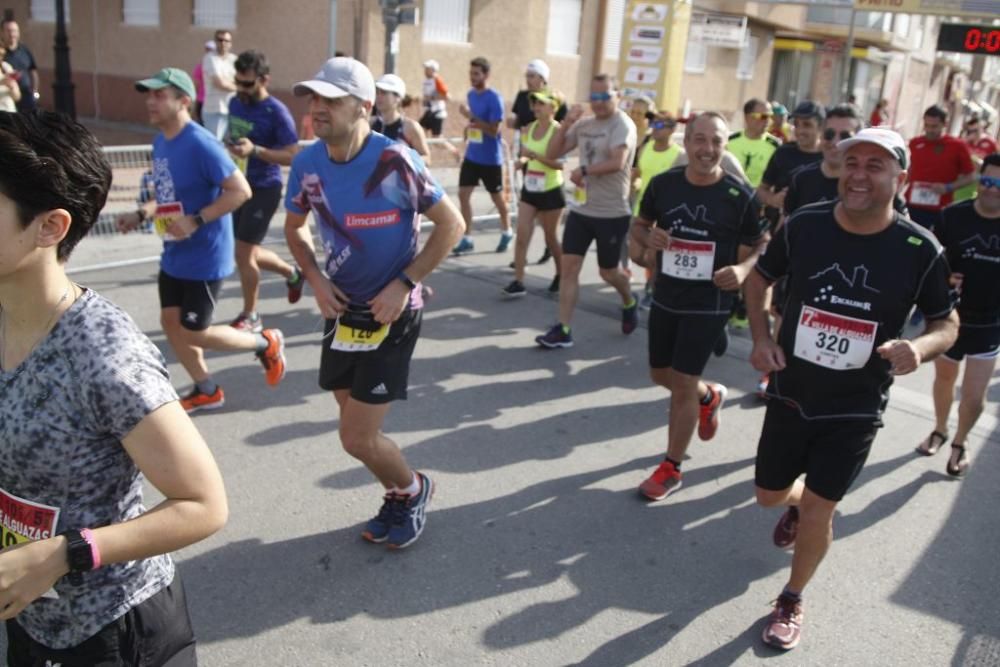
{"x":132,"y":182}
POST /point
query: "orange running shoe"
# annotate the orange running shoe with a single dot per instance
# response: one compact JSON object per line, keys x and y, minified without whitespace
{"x":708,"y":415}
{"x":198,"y":401}
{"x":273,"y":357}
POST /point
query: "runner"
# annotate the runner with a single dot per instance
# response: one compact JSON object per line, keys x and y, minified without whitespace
{"x":536,"y":76}
{"x":702,"y":230}
{"x":753,"y":146}
{"x":390,"y":93}
{"x":970,"y":233}
{"x":779,"y":127}
{"x":855,"y":268}
{"x":941,"y":165}
{"x":365,"y":192}
{"x":86,"y":412}
{"x":807,"y":119}
{"x":483,"y":154}
{"x":542,"y":194}
{"x":980,"y":145}
{"x":600,"y":209}
{"x":435,"y":98}
{"x":261,"y":139}
{"x":197,"y":187}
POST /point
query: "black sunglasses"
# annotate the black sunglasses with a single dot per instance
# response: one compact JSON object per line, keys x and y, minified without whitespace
{"x":240,"y":83}
{"x":830,"y":134}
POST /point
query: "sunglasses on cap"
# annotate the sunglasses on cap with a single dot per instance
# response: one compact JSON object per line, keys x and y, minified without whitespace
{"x":661,"y":124}
{"x":600,"y":97}
{"x":761,"y":115}
{"x":830,"y":134}
{"x":990,"y":181}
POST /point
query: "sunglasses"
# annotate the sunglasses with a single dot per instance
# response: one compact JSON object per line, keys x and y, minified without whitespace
{"x":990,"y":181}
{"x":661,"y":124}
{"x":761,"y":115}
{"x":224,"y":41}
{"x":600,"y":97}
{"x":830,"y":134}
{"x":240,"y":83}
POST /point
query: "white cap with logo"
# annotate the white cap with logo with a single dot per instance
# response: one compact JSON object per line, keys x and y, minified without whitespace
{"x":539,"y":67}
{"x":885,"y":138}
{"x":338,"y":78}
{"x":391,"y":84}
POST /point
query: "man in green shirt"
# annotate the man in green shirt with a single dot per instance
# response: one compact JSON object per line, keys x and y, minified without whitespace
{"x":753,"y":147}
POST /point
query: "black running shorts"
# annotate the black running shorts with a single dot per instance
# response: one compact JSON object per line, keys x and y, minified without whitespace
{"x":978,"y":342}
{"x":195,"y":298}
{"x":154,"y":632}
{"x":472,"y":173}
{"x":610,"y":234}
{"x":550,"y":200}
{"x":682,"y":342}
{"x":375,"y":377}
{"x":250,"y":221}
{"x":432,"y":123}
{"x":831,"y":453}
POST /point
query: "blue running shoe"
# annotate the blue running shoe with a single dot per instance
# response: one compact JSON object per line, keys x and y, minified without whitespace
{"x":377,"y":528}
{"x":505,"y":239}
{"x":555,"y":337}
{"x":464,"y":246}
{"x":409,"y":518}
{"x":630,"y":316}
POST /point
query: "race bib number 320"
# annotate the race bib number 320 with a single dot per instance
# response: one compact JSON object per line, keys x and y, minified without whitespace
{"x":834,"y":341}
{"x":689,"y":260}
{"x":24,"y":521}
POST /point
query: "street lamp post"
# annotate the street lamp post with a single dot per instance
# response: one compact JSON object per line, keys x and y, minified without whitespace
{"x":63,"y":87}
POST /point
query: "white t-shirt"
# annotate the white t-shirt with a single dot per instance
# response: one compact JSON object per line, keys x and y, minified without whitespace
{"x":216,"y":99}
{"x":6,"y":100}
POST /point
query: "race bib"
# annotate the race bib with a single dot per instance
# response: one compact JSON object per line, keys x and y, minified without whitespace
{"x":689,"y":260}
{"x":24,"y":521}
{"x":834,"y":341}
{"x":351,"y":339}
{"x":474,"y":135}
{"x":534,"y":181}
{"x":923,"y":195}
{"x":241,"y":163}
{"x":166,"y":214}
{"x":580,"y":196}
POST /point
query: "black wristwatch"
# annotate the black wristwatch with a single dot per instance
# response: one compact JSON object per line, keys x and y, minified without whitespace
{"x":583,"y":170}
{"x":79,"y":556}
{"x":405,"y":279}
{"x":198,"y":220}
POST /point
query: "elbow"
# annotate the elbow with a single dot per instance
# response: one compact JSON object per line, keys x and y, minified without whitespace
{"x":216,"y":514}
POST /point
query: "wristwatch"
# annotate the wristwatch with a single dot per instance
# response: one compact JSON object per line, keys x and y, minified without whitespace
{"x":198,"y":220}
{"x":583,"y":170}
{"x":405,"y":279}
{"x":79,"y":555}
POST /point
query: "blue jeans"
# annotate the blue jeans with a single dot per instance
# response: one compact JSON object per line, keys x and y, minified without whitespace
{"x":216,"y":123}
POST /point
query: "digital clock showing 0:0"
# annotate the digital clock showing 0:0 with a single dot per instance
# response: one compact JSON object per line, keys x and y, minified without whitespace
{"x":961,"y":38}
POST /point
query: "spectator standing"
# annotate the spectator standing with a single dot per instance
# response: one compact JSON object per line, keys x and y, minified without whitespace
{"x":20,"y":58}
{"x":198,"y":75}
{"x":219,"y":70}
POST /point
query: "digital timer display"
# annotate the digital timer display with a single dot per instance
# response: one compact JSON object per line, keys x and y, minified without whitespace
{"x":969,"y":39}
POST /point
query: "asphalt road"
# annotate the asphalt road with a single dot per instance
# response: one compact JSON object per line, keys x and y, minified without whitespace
{"x":538,"y":550}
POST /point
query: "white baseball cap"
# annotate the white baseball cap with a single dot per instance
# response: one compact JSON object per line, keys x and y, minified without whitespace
{"x":210,"y":45}
{"x":538,"y":66}
{"x":888,"y":139}
{"x":340,"y":77}
{"x":391,"y":84}
{"x":432,"y":64}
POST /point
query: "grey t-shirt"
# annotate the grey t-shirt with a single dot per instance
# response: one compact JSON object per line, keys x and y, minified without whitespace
{"x":607,"y":194}
{"x":63,"y":414}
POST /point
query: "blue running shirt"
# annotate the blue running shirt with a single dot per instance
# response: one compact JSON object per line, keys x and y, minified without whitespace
{"x":480,"y":147}
{"x":367,"y":211}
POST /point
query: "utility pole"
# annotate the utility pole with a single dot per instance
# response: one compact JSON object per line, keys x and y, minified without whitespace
{"x":63,"y":86}
{"x":394,"y":14}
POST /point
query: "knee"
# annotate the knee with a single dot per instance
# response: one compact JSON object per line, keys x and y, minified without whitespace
{"x":610,"y":275}
{"x":356,"y":442}
{"x":660,"y":376}
{"x":769,"y":498}
{"x":816,"y":513}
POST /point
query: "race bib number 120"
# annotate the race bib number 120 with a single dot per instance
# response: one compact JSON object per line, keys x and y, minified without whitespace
{"x":834,"y":341}
{"x":349,"y":339}
{"x":23,"y":521}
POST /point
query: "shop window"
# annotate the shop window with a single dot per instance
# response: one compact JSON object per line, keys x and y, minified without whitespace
{"x":615,"y":19}
{"x":141,"y":12}
{"x":446,"y":21}
{"x":215,"y":14}
{"x":748,"y":59}
{"x":44,"y":11}
{"x":564,"y":27}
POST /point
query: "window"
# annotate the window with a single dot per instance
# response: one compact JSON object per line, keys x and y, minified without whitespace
{"x":142,"y":12}
{"x":901,"y":25}
{"x":215,"y":14}
{"x":613,"y":29}
{"x":696,"y":57}
{"x":748,"y":59}
{"x":446,"y":21}
{"x":44,"y":11}
{"x":564,"y":27}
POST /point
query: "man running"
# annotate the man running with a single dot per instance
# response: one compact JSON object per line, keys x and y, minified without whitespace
{"x":366,"y":192}
{"x":855,"y":268}
{"x":970,"y":234}
{"x":600,"y":209}
{"x":483,"y":161}
{"x":941,"y":165}
{"x":807,"y":119}
{"x":701,"y":230}
{"x":753,"y":146}
{"x":261,"y":139}
{"x":197,"y":187}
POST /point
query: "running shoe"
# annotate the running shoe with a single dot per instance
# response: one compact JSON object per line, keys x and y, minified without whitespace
{"x":721,"y":343}
{"x":665,"y":480}
{"x":251,"y":323}
{"x":546,"y":256}
{"x":426,"y":291}
{"x":505,"y":239}
{"x":377,"y":528}
{"x":787,"y":528}
{"x":762,"y":384}
{"x":784,"y":626}
{"x":464,"y":246}
{"x":196,"y":400}
{"x":409,"y":516}
{"x":295,"y":285}
{"x":739,"y":322}
{"x":630,"y":316}
{"x":555,"y":337}
{"x":554,"y":285}
{"x":273,"y":356}
{"x":708,"y":415}
{"x":514,"y":290}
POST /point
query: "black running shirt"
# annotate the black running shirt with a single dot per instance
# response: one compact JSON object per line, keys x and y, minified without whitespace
{"x":972,"y":246}
{"x":786,"y":160}
{"x":809,"y":185}
{"x":707,"y":225}
{"x":847,"y":294}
